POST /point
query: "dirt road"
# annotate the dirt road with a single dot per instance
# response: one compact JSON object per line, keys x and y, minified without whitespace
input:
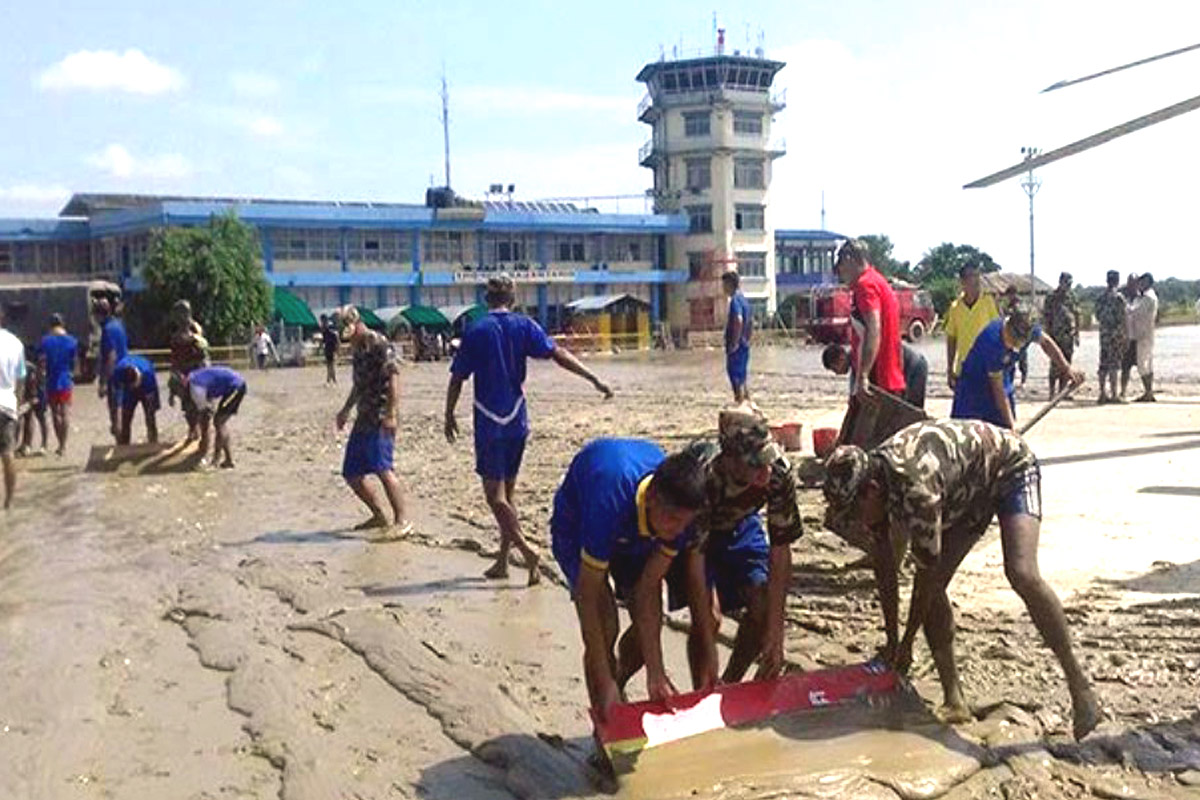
{"x":224,"y":634}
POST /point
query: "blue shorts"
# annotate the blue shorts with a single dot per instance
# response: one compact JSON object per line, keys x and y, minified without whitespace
{"x":369,"y":451}
{"x":1023,"y":495}
{"x":732,"y":564}
{"x":499,"y":459}
{"x":130,"y":399}
{"x":737,"y":365}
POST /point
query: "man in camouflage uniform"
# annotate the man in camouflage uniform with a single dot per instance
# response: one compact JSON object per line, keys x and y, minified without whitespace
{"x":1060,"y":315}
{"x":189,"y":351}
{"x":1110,"y":314}
{"x":939,"y":484}
{"x":729,"y":554}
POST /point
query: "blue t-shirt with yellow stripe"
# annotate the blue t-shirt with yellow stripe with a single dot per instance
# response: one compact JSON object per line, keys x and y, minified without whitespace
{"x":600,"y":516}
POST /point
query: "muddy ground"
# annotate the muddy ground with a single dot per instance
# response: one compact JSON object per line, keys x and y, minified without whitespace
{"x":225,"y":635}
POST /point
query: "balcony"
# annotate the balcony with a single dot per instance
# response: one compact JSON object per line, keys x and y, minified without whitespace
{"x":648,"y":154}
{"x":777,"y":147}
{"x":643,"y":111}
{"x":778,"y":100}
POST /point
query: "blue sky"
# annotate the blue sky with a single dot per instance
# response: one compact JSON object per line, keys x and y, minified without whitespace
{"x":892,"y":107}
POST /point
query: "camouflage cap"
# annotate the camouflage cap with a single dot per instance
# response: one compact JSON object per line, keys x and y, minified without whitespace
{"x":845,"y":470}
{"x":744,"y":432}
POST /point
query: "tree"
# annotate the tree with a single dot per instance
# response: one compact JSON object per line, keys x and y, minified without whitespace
{"x":879,"y":253}
{"x":945,"y":260}
{"x":215,"y":267}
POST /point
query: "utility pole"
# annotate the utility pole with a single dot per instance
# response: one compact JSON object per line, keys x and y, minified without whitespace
{"x":446,"y":123}
{"x":1031,"y":184}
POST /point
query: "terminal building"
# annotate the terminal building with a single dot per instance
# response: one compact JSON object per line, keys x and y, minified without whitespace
{"x":711,"y":152}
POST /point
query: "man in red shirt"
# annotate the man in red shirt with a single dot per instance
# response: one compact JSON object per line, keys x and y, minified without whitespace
{"x":874,"y":323}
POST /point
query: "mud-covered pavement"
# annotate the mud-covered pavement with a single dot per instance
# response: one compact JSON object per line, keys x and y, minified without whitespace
{"x":224,"y":634}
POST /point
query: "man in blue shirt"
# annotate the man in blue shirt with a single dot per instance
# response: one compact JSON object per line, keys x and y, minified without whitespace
{"x":494,"y":349}
{"x":217,"y":394}
{"x":985,"y":384}
{"x":622,"y":510}
{"x":738,"y":325}
{"x":114,"y":346}
{"x":134,"y":379}
{"x":59,"y":351}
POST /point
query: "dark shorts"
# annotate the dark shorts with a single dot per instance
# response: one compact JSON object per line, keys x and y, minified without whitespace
{"x":499,"y":459}
{"x":1023,"y":495}
{"x":230,"y":404}
{"x":261,"y":360}
{"x":130,"y":399}
{"x":732,"y":564}
{"x":8,"y":435}
{"x":369,"y":451}
{"x":1130,"y":359}
{"x":59,"y":398}
{"x":737,"y":366}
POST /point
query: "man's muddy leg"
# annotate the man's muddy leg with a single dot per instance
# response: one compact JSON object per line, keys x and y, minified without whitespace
{"x":747,"y":644}
{"x":151,"y":424}
{"x":610,"y":624}
{"x":939,"y":620}
{"x":1019,"y":535}
{"x":629,"y":658}
{"x":395,"y":495}
{"x":358,"y":485}
{"x":499,"y":494}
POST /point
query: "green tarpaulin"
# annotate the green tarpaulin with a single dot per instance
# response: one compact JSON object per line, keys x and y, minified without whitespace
{"x":370,"y":319}
{"x":428,"y":316}
{"x":291,"y":310}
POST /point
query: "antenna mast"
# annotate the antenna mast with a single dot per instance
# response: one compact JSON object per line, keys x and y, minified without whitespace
{"x":446,"y":123}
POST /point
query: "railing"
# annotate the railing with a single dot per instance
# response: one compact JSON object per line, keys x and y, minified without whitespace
{"x":779,"y":98}
{"x":645,"y":151}
{"x":644,"y":105}
{"x":777,"y":145}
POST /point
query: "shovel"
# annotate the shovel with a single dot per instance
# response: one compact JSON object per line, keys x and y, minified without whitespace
{"x":1046,"y":409}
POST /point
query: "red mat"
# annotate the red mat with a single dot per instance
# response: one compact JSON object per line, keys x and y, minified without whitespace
{"x":632,"y":727}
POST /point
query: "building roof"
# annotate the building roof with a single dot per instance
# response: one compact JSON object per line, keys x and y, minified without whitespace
{"x":600,"y":302}
{"x":647,"y":72}
{"x":808,"y":235}
{"x":998,"y":282}
{"x":86,"y":204}
{"x":33,"y":229}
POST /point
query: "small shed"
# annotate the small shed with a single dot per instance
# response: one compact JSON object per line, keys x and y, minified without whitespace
{"x":610,"y":319}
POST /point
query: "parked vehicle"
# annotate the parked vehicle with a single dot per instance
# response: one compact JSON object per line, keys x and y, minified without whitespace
{"x":825,"y":312}
{"x":28,"y":308}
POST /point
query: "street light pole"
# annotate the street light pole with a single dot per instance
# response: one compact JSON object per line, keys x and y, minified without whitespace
{"x":1031,"y":184}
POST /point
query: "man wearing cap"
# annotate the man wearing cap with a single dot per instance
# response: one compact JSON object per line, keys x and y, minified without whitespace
{"x":58,"y":353}
{"x":114,"y":346}
{"x":374,"y":397}
{"x":494,"y":350}
{"x":729,"y":554}
{"x":1110,"y":314}
{"x":938,"y":485}
{"x":739,"y":323}
{"x":985,"y":386}
{"x":1061,"y":315}
{"x":189,"y":351}
{"x":622,"y":510}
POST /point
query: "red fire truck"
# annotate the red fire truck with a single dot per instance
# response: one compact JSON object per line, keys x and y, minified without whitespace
{"x":825,"y":312}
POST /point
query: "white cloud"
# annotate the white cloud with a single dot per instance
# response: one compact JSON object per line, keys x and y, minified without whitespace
{"x":132,"y":71}
{"x":118,"y":162}
{"x":265,"y":126}
{"x":254,"y":84}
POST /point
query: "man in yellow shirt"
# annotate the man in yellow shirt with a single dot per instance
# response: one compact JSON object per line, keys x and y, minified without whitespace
{"x":970,"y":313}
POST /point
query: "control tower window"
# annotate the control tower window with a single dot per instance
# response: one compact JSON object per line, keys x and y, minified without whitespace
{"x":696,"y":124}
{"x":747,"y":122}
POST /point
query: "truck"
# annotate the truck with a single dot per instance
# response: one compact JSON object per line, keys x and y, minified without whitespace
{"x":28,"y":306}
{"x":825,"y":312}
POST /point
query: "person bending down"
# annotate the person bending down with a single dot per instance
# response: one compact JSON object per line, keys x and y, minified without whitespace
{"x":938,"y":485}
{"x":216,"y":394}
{"x":137,"y":385}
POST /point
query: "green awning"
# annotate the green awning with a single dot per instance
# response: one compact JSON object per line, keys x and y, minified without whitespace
{"x":291,"y":310}
{"x":428,"y":316}
{"x":370,"y":319}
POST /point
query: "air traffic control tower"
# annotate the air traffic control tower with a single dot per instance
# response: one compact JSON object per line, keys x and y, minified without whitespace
{"x":711,"y":151}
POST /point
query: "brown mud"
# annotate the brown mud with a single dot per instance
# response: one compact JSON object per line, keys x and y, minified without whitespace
{"x":226,"y":634}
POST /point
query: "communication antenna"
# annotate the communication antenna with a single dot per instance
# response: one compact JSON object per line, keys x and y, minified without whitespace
{"x":714,"y":31}
{"x":822,"y":209}
{"x":446,"y":123}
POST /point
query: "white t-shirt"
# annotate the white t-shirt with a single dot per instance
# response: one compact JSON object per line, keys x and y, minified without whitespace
{"x":262,"y":343}
{"x":12,"y":369}
{"x":1142,"y":313}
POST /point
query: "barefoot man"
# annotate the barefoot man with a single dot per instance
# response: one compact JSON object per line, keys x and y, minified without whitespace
{"x":59,"y":353}
{"x":494,"y":349}
{"x":622,"y":509}
{"x":374,"y":396}
{"x":938,"y":484}
{"x":137,"y":385}
{"x":216,"y":395}
{"x":730,"y":560}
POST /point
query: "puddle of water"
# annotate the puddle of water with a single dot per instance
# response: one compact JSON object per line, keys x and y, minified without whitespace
{"x":836,"y":752}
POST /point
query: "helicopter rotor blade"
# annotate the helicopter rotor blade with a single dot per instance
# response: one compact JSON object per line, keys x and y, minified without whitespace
{"x":1130,"y":65}
{"x":1087,"y":143}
